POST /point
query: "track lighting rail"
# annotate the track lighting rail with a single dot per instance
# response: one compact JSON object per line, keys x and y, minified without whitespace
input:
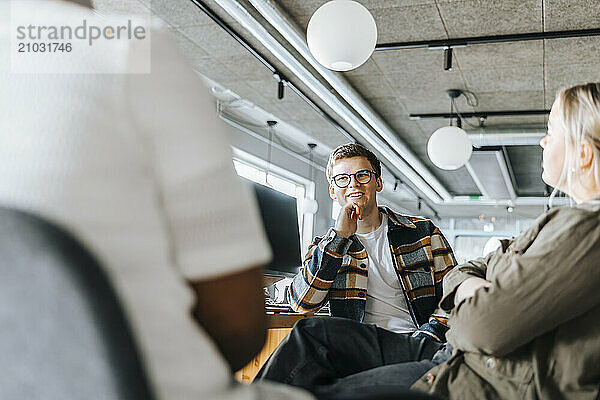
{"x":479,"y":114}
{"x":463,"y":42}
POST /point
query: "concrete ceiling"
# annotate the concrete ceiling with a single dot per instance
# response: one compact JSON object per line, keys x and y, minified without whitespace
{"x":396,"y":83}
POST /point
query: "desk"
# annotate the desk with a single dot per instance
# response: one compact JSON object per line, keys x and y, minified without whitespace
{"x":282,"y":316}
{"x":274,"y":337}
{"x":278,"y":321}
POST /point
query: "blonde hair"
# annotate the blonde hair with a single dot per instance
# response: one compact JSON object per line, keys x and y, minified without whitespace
{"x":579,"y":114}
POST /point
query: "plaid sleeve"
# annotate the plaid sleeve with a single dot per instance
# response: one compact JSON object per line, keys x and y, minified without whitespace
{"x":434,"y":329}
{"x":443,"y":262}
{"x":309,"y":288}
{"x":443,"y":258}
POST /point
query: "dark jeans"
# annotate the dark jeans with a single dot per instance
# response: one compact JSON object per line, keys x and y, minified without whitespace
{"x":338,"y":357}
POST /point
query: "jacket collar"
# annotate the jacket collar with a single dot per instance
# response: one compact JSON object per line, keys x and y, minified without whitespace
{"x":590,"y":205}
{"x":395,"y":220}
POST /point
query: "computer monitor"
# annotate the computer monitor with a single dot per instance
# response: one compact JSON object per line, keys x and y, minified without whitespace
{"x":280,"y":218}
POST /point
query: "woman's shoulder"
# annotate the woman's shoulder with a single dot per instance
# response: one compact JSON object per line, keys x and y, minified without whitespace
{"x":586,"y":210}
{"x":569,"y":220}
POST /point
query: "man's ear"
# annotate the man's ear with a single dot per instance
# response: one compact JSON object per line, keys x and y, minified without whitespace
{"x":379,"y":184}
{"x":332,"y":192}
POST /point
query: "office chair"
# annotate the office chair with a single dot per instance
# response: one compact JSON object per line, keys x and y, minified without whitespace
{"x":63,"y":333}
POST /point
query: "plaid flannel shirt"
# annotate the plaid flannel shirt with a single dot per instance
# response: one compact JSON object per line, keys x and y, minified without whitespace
{"x":336,"y":270}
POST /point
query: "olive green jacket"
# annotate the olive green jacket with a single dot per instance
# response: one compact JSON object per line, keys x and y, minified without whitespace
{"x":535,"y":333}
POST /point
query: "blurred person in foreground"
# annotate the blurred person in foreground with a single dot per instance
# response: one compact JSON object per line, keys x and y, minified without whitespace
{"x":139,"y":167}
{"x":523,"y":318}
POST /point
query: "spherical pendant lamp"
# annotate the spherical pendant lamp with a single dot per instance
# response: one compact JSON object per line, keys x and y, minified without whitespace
{"x":449,"y":148}
{"x":310,"y":206}
{"x":341,"y":35}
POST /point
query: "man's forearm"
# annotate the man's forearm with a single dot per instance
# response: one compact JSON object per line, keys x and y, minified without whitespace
{"x":458,"y":275}
{"x":310,"y":286}
{"x":237,"y":321}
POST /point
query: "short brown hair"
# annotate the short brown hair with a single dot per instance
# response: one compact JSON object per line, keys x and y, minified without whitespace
{"x":350,"y":150}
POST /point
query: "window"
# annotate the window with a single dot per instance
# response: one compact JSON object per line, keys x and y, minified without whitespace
{"x":255,"y":169}
{"x":475,"y":237}
{"x":335,"y":210}
{"x":470,"y":247}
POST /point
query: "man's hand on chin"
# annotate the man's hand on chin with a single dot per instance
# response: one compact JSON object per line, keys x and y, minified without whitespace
{"x":347,"y":221}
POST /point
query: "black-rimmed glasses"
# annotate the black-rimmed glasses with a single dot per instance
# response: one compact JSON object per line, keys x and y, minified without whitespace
{"x":363,"y":177}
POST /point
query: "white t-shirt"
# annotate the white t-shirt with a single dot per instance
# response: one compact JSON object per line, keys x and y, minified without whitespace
{"x":386,"y":305}
{"x":139,"y":168}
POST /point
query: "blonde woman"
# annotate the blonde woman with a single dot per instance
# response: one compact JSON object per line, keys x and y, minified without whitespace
{"x":524,"y":319}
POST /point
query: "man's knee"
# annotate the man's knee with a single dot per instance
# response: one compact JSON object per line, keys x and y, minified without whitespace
{"x":325,"y":323}
{"x":322,"y":328}
{"x":307,"y":323}
{"x":313,"y":327}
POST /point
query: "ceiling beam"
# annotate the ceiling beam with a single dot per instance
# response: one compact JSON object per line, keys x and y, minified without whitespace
{"x":485,"y":136}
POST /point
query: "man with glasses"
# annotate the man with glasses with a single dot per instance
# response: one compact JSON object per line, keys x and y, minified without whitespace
{"x":381,"y":273}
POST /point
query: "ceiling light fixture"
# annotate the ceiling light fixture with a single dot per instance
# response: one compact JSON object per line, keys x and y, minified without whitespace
{"x":448,"y":59}
{"x":310,"y":205}
{"x":270,"y":124}
{"x":341,"y":35}
{"x":449,"y":147}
